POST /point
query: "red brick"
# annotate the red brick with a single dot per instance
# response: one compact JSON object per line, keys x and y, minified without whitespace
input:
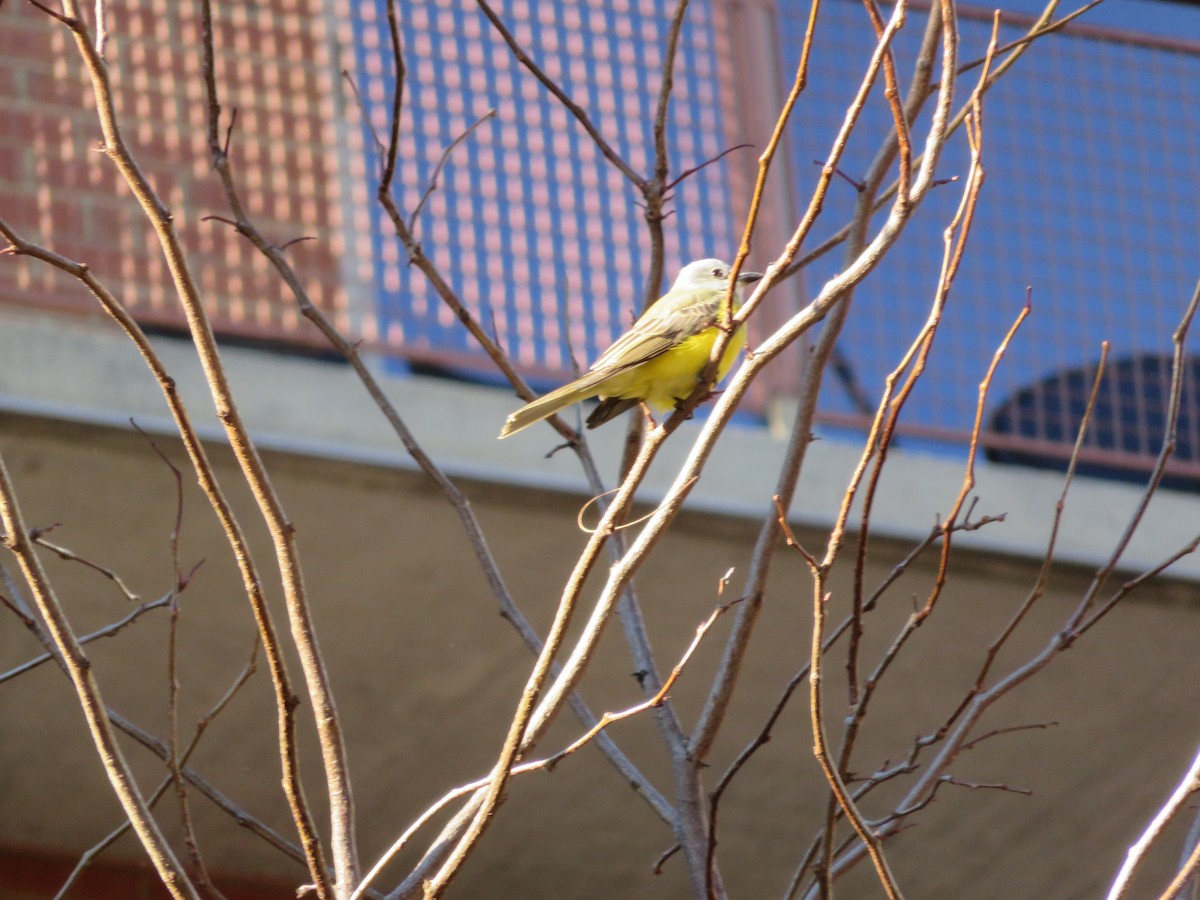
{"x":58,"y":92}
{"x":12,"y":164}
{"x":11,"y":78}
{"x":20,"y":122}
{"x":19,"y":41}
{"x":21,"y":211}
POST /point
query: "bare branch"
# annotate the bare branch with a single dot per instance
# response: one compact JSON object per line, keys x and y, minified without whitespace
{"x":107,"y":631}
{"x":1187,"y":787}
{"x":38,"y":537}
{"x":441,"y":164}
{"x":553,"y":87}
{"x":688,"y":173}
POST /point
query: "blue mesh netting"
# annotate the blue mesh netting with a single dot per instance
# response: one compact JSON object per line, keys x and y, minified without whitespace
{"x":533,"y":228}
{"x":1092,"y":194}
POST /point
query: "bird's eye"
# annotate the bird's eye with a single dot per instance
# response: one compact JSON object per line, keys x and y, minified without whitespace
{"x":717,"y":273}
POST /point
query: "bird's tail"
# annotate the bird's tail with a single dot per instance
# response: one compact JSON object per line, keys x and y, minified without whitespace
{"x":539,"y":409}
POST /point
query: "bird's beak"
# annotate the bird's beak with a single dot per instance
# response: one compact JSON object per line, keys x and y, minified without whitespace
{"x":749,"y":277}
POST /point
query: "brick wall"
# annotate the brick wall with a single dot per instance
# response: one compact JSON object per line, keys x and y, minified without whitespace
{"x":55,"y":188}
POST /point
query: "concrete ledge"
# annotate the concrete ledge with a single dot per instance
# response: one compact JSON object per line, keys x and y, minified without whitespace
{"x":86,"y":371}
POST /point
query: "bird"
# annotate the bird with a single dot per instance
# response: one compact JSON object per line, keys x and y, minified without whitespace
{"x":659,"y":359}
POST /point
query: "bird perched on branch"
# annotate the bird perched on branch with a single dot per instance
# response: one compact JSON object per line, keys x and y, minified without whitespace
{"x":658,"y":361}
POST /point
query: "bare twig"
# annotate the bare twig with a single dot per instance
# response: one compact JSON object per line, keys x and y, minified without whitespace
{"x":101,"y":28}
{"x":1038,"y":30}
{"x":768,"y":154}
{"x":156,"y":746}
{"x":107,"y":631}
{"x":441,"y":164}
{"x":654,"y":192}
{"x":554,"y":88}
{"x":38,"y":537}
{"x":659,"y":696}
{"x":1039,"y":585}
{"x":174,"y":762}
{"x":1187,"y":787}
{"x":199,"y":869}
{"x":985,"y":786}
{"x":879,"y":437}
{"x":764,"y":549}
{"x":688,"y":173}
{"x":764,"y":733}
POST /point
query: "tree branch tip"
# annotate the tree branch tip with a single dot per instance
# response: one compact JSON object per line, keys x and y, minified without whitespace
{"x":565,"y":445}
{"x":70,"y":21}
{"x":657,"y":869}
{"x":829,"y":171}
{"x":185,"y":580}
{"x":297,"y":240}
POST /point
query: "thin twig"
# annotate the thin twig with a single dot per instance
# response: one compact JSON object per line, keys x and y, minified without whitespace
{"x":1038,"y":30}
{"x":688,"y":173}
{"x":765,"y":545}
{"x":1187,"y":787}
{"x":38,"y":536}
{"x":554,"y":88}
{"x":764,"y":733}
{"x":107,"y":631}
{"x":198,"y":868}
{"x":441,"y":164}
{"x":1077,"y":623}
{"x":833,"y":773}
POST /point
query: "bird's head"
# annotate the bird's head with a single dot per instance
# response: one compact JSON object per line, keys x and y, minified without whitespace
{"x":710,"y":273}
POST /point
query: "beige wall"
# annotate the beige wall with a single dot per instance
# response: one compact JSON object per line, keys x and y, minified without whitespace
{"x":426,"y":672}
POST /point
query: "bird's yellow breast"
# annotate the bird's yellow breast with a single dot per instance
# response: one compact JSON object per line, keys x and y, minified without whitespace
{"x":663,"y":381}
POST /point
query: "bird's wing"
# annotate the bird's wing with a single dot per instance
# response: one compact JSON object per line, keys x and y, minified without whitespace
{"x":667,"y":324}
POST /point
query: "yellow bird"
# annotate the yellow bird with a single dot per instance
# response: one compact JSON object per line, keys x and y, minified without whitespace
{"x":658,"y":361}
